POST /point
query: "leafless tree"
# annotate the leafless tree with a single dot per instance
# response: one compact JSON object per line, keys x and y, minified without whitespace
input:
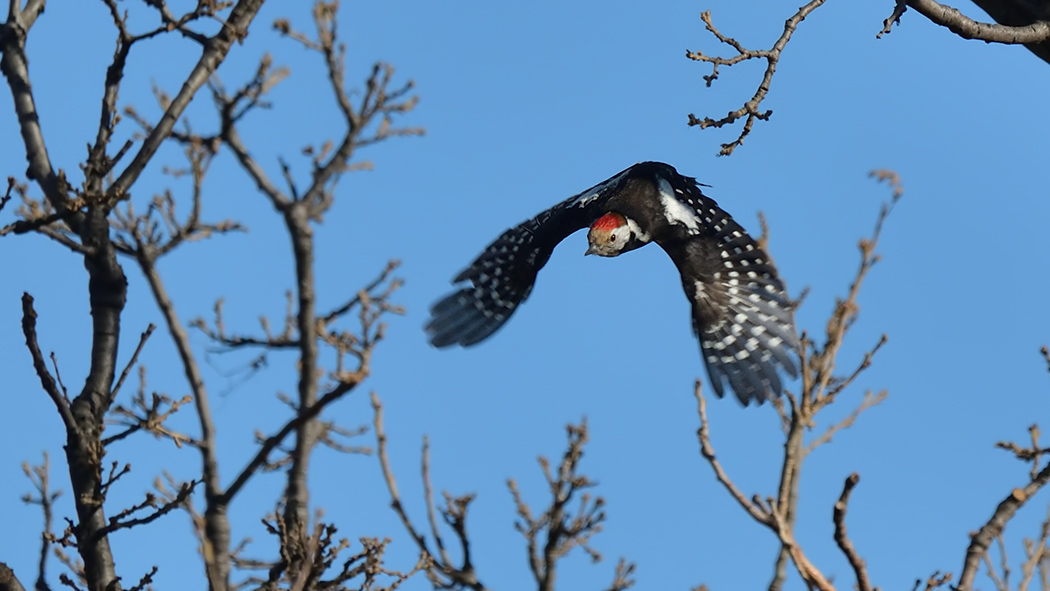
{"x":98,"y":220}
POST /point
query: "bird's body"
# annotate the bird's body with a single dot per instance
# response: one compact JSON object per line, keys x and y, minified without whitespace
{"x":740,"y":310}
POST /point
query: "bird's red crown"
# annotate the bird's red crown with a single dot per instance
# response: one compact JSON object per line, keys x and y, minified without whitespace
{"x":608,"y":222}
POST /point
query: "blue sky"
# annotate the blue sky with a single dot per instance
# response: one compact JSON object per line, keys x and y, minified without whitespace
{"x":528,"y":103}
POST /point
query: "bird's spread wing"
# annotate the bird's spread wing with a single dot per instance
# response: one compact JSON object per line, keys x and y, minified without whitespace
{"x":502,"y":277}
{"x":741,"y":312}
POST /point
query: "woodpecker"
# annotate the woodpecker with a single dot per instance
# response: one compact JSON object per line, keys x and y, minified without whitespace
{"x":741,"y":313}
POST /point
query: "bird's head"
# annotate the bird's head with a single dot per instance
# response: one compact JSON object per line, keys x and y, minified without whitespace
{"x":614,"y":234}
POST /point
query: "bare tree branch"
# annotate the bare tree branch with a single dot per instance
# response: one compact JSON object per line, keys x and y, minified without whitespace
{"x":842,"y":539}
{"x":378,"y":102}
{"x":899,"y":8}
{"x":750,"y":111}
{"x":622,"y":577}
{"x":217,"y":541}
{"x":121,"y":521}
{"x":994,"y":527}
{"x":1037,"y":555}
{"x":150,"y":416}
{"x":131,"y":362}
{"x":441,"y":572}
{"x":26,"y":226}
{"x":935,"y":581}
{"x":708,"y":452}
{"x":557,"y":530}
{"x":388,"y":473}
{"x":40,"y":477}
{"x":1003,"y":583}
{"x":215,"y":51}
{"x":382,"y":278}
{"x":867,"y":402}
{"x":271,"y":443}
{"x":8,"y":580}
{"x":428,"y":494}
{"x":1032,"y":455}
{"x":812,"y":576}
{"x":967,"y":28}
{"x":821,"y":386}
{"x":15,"y":68}
{"x":48,"y":383}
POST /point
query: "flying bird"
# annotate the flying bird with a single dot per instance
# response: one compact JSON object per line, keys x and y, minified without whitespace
{"x":740,"y":310}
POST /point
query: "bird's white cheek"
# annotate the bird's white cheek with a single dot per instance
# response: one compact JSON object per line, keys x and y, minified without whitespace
{"x":636,"y":230}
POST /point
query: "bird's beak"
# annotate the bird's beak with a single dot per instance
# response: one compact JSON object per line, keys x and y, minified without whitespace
{"x":590,"y":250}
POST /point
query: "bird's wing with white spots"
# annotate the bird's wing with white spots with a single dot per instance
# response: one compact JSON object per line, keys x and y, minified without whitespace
{"x":741,"y":312}
{"x":502,"y":277}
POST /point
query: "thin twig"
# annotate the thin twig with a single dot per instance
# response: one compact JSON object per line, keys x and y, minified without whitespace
{"x":894,"y":19}
{"x":867,"y":402}
{"x":40,"y":477}
{"x":750,"y":109}
{"x":842,"y":539}
{"x":119,"y":521}
{"x":48,"y":382}
{"x":271,"y":443}
{"x":388,"y":474}
{"x":708,"y":452}
{"x":1037,"y":556}
{"x":131,"y":362}
{"x":428,"y":494}
{"x":622,"y":576}
{"x":442,"y":573}
{"x":384,"y":275}
{"x":935,"y":581}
